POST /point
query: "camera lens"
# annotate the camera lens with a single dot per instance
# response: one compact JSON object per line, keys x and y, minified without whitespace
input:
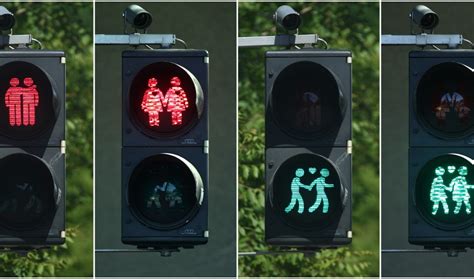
{"x":429,"y":21}
{"x":7,"y":21}
{"x":142,"y":20}
{"x":291,"y":22}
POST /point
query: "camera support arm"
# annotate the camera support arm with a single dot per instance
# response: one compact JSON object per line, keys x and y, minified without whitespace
{"x":136,"y":39}
{"x":278,"y":40}
{"x":450,"y":40}
{"x":15,"y":40}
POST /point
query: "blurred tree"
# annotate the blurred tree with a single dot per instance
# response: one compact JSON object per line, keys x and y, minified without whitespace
{"x":68,"y":27}
{"x":353,"y":26}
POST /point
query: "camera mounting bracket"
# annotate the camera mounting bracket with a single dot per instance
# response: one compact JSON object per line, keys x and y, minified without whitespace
{"x":278,"y":40}
{"x":15,"y":40}
{"x":450,"y":40}
{"x":136,"y":39}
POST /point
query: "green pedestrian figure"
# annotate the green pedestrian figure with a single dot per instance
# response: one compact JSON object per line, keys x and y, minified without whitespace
{"x":295,"y":192}
{"x":155,"y":198}
{"x":459,"y":187}
{"x":437,"y":192}
{"x":320,"y":194}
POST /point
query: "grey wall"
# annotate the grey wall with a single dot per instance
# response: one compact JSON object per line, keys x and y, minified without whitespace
{"x":208,"y":26}
{"x":454,"y":18}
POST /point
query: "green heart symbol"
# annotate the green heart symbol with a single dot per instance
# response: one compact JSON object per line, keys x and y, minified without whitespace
{"x":451,"y":169}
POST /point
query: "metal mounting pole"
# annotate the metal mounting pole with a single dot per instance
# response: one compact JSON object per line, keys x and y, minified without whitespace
{"x":164,"y":252}
{"x":164,"y":40}
{"x":451,"y":252}
{"x":452,"y":41}
{"x":278,"y":40}
{"x":15,"y":40}
{"x":309,"y":252}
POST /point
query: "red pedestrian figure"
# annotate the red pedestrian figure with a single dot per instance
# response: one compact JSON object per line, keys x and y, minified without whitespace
{"x":13,"y":102}
{"x":153,"y":102}
{"x":30,"y":102}
{"x":176,"y":101}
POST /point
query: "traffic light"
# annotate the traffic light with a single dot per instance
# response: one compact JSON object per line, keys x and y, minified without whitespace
{"x":165,"y":148}
{"x":32,"y":148}
{"x":308,"y":148}
{"x":441,"y":175}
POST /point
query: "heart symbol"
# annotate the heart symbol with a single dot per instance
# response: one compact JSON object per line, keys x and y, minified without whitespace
{"x":312,"y":170}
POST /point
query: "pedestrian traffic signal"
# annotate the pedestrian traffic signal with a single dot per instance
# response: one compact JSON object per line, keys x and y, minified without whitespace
{"x":165,"y":148}
{"x":165,"y":113}
{"x":445,"y":174}
{"x":441,"y":149}
{"x":302,"y":171}
{"x":32,"y":148}
{"x":161,"y":192}
{"x":22,"y":104}
{"x":308,"y":148}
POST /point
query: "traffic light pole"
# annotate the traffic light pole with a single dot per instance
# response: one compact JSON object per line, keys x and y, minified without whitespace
{"x":136,"y":39}
{"x":450,"y":40}
{"x":278,"y":40}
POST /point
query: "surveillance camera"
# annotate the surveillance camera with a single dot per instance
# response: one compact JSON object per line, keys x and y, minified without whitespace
{"x":138,"y":17}
{"x":7,"y":19}
{"x":424,"y":17}
{"x":287,"y":18}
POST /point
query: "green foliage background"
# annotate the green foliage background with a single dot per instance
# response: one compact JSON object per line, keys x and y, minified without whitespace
{"x":68,"y":27}
{"x":353,"y":26}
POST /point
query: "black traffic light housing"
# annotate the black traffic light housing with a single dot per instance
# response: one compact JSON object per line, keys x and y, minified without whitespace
{"x":441,"y":138}
{"x":153,"y":147}
{"x":32,"y":148}
{"x":308,"y":135}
